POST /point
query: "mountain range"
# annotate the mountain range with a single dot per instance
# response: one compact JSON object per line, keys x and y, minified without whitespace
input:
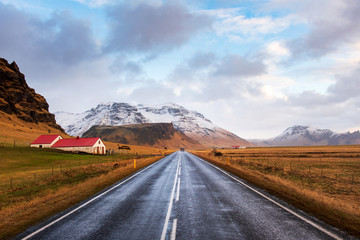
{"x":158,"y":135}
{"x":193,"y":124}
{"x":308,"y":136}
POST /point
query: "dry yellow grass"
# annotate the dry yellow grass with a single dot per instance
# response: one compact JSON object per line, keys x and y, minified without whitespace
{"x":18,"y":217}
{"x":140,"y":150}
{"x":14,"y":130}
{"x":324,"y":181}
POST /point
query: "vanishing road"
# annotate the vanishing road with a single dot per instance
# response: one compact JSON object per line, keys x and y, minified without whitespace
{"x":182,"y":197}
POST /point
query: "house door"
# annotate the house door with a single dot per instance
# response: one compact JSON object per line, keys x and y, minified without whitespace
{"x":98,"y":150}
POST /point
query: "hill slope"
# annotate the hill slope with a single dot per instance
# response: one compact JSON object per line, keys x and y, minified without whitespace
{"x":159,"y":135}
{"x":18,"y":99}
{"x":307,"y":136}
{"x":191,"y":123}
{"x":24,"y":114}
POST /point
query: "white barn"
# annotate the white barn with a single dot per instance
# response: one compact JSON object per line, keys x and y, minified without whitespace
{"x":89,"y":145}
{"x":45,"y":141}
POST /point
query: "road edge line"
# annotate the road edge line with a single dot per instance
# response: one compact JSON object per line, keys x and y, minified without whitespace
{"x":276,"y":203}
{"x":88,"y":202}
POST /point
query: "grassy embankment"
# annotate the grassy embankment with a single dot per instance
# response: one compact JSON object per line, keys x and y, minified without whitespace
{"x":37,"y":183}
{"x":323,"y":181}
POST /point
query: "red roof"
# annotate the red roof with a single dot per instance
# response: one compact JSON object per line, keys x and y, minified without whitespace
{"x":45,"y":139}
{"x":76,"y":142}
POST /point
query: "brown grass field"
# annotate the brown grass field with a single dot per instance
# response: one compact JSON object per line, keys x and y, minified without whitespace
{"x":54,"y":190}
{"x":323,"y":181}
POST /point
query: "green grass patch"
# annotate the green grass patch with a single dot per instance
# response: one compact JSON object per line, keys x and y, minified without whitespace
{"x":27,"y":172}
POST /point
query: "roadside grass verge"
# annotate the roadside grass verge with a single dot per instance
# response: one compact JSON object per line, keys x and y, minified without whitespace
{"x":30,"y":202}
{"x":323,"y":181}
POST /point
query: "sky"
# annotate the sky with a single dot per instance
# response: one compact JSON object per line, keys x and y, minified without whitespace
{"x":254,"y":68}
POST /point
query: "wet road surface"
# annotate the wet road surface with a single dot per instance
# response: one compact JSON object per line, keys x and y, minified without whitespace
{"x":182,"y":197}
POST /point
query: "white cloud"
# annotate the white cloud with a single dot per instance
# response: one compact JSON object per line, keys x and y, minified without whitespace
{"x":93,"y":3}
{"x":277,"y":49}
{"x":232,"y":23}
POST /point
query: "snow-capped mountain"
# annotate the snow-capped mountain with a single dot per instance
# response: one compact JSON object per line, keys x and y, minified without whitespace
{"x":191,"y":123}
{"x":308,"y":136}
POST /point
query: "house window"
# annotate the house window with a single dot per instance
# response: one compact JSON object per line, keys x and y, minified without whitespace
{"x":99,"y":141}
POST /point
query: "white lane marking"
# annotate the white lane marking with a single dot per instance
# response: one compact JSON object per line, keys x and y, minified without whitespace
{"x":88,"y":202}
{"x":278,"y":204}
{"x":167,"y":218}
{"x":178,"y":191}
{"x":173,"y":230}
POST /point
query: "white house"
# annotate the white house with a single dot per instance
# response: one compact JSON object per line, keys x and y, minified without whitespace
{"x":45,"y":141}
{"x":89,"y":145}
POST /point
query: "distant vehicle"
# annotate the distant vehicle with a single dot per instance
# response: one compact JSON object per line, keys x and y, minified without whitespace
{"x":125,"y":147}
{"x":182,"y":149}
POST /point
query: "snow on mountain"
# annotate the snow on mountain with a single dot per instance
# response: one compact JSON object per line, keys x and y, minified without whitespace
{"x":308,"y":136}
{"x":191,"y":123}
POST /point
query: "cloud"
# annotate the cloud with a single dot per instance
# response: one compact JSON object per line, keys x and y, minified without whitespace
{"x":233,"y":23}
{"x":201,"y":60}
{"x":153,"y":92}
{"x":62,"y":39}
{"x":345,"y":88}
{"x":329,"y":28}
{"x":124,"y":66}
{"x":93,"y":3}
{"x":150,"y":28}
{"x":235,"y":66}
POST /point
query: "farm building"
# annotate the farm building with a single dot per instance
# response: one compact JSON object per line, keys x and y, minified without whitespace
{"x":45,"y":141}
{"x":89,"y":145}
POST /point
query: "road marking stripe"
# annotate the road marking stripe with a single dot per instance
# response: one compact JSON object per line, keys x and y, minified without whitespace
{"x":178,"y":191}
{"x":88,"y":202}
{"x":167,"y":218}
{"x":173,"y":230}
{"x":278,"y":204}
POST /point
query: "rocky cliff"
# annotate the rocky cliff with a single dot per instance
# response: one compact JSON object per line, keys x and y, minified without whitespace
{"x":17,"y":98}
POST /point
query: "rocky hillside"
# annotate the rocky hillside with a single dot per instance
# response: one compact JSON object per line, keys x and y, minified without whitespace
{"x":307,"y":136}
{"x":191,"y":123}
{"x":159,"y":135}
{"x":17,"y":98}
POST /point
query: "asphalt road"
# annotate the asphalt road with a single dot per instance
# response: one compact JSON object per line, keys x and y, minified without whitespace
{"x":182,"y":197}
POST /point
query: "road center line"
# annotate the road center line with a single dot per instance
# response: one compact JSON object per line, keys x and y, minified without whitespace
{"x":277,"y":203}
{"x":167,"y":218}
{"x":173,"y":230}
{"x":88,"y":202}
{"x":178,"y":191}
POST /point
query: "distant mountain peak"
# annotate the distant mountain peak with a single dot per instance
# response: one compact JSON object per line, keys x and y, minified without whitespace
{"x":303,"y":135}
{"x":191,"y":123}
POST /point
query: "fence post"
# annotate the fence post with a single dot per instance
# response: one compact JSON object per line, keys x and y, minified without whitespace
{"x":228,"y":163}
{"x":134,"y":163}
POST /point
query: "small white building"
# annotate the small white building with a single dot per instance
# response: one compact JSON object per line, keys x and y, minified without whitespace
{"x":45,"y":141}
{"x":89,"y":145}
